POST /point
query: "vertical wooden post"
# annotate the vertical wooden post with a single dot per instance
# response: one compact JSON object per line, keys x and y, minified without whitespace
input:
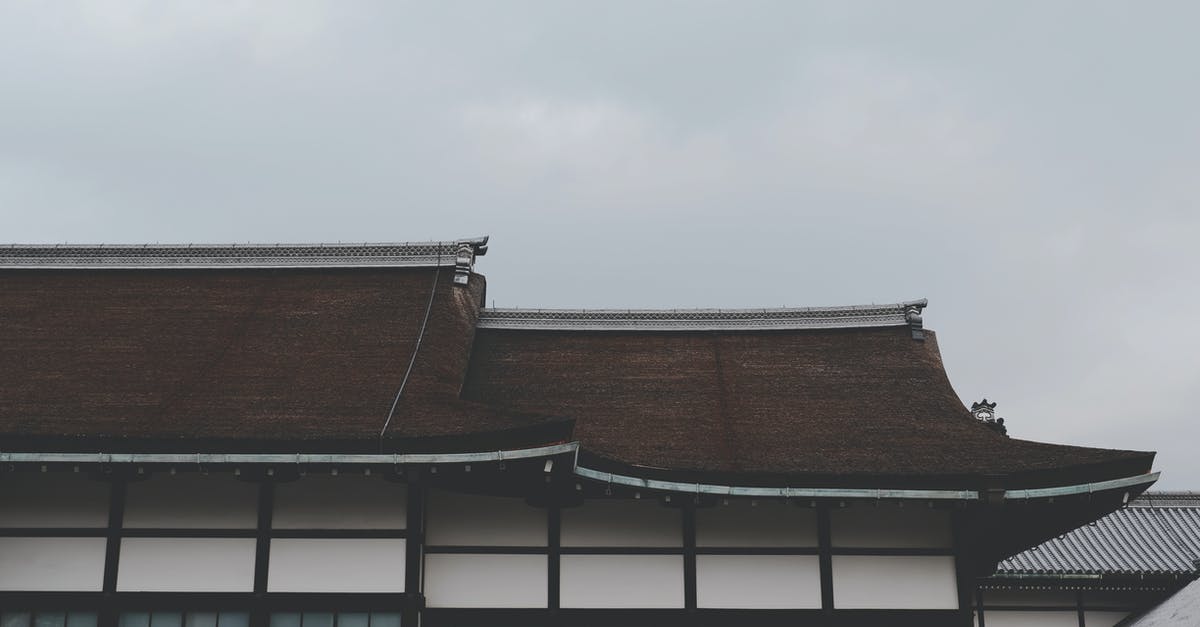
{"x":689,"y":554}
{"x":414,"y":554}
{"x":117,"y":490}
{"x":554,"y":556}
{"x":259,"y":617}
{"x":824,"y":551}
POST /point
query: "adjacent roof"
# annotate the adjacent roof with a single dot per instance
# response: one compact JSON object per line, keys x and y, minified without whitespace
{"x":296,"y":347}
{"x":870,"y":405}
{"x":1157,"y":534}
{"x":1181,"y":609}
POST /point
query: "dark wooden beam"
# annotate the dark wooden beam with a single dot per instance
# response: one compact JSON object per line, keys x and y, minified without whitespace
{"x":824,"y":546}
{"x":689,"y":555}
{"x":262,"y":548}
{"x":118,"y":488}
{"x":554,"y":557}
{"x":414,"y":554}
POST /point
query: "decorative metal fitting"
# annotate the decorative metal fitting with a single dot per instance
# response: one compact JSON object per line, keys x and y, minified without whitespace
{"x":912,"y":315}
{"x":464,"y":260}
{"x":985,"y":412}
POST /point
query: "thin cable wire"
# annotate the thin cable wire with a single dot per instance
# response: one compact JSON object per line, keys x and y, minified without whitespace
{"x":416,"y":349}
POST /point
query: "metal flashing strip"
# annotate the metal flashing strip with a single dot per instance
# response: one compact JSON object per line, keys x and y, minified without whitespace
{"x":1083,"y":488}
{"x":286,"y":458}
{"x":899,"y":314}
{"x":457,"y":253}
{"x":728,"y":490}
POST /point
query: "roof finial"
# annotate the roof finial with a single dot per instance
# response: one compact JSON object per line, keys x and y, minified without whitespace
{"x":986,"y":413}
{"x":464,"y":261}
{"x":912,"y":314}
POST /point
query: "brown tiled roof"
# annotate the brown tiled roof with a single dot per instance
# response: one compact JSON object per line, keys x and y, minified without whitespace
{"x":826,"y":405}
{"x":312,"y":354}
{"x":198,"y":357}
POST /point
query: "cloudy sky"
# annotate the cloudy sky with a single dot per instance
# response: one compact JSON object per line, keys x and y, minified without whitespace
{"x":1031,"y":168}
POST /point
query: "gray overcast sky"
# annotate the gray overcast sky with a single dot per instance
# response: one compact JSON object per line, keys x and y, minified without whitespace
{"x":1031,"y":168}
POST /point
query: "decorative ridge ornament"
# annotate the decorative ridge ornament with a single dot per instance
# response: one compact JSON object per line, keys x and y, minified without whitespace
{"x":860,"y":316}
{"x":912,"y":314}
{"x":985,"y":412}
{"x":459,"y":253}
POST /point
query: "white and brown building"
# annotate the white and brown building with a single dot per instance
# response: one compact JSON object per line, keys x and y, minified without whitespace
{"x":344,"y":436}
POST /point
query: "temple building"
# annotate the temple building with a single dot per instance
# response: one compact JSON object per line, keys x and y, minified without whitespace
{"x":344,"y":436}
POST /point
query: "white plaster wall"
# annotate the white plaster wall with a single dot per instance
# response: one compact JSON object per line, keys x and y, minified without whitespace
{"x":192,"y":501}
{"x":345,"y":501}
{"x":336,"y":565}
{"x":470,"y":520}
{"x":621,"y":581}
{"x":52,"y":564}
{"x":52,"y":499}
{"x":1023,"y":618}
{"x":758,"y":581}
{"x":1043,"y":598}
{"x":454,"y":580}
{"x":895,"y":582}
{"x":186,"y":565}
{"x":890,"y":526}
{"x":766,"y":524}
{"x":622,"y":523}
{"x":1103,"y":619}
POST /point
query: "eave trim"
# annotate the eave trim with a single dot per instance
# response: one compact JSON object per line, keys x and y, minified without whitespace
{"x":786,"y":492}
{"x":286,"y":458}
{"x":1083,"y":488}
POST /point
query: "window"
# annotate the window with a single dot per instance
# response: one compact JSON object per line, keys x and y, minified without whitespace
{"x":48,"y":619}
{"x":184,"y":619}
{"x":335,"y":619}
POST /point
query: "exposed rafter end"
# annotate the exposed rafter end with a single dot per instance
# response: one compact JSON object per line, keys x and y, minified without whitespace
{"x":912,"y":315}
{"x":464,"y":262}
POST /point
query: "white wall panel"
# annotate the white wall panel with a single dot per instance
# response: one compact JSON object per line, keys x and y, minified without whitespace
{"x":616,"y":581}
{"x":186,"y":565}
{"x":894,"y":582}
{"x":889,"y":526}
{"x":765,"y":524}
{"x":470,"y":520}
{"x":336,"y":565}
{"x":1103,"y":619}
{"x":346,"y":501}
{"x":52,"y":564}
{"x":622,"y":523}
{"x":454,"y":580}
{"x":994,"y":618}
{"x":52,"y":499}
{"x":758,"y":581}
{"x":192,"y":501}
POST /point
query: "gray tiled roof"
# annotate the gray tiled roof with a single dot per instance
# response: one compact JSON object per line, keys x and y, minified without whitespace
{"x":1181,"y":609}
{"x":1159,"y":533}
